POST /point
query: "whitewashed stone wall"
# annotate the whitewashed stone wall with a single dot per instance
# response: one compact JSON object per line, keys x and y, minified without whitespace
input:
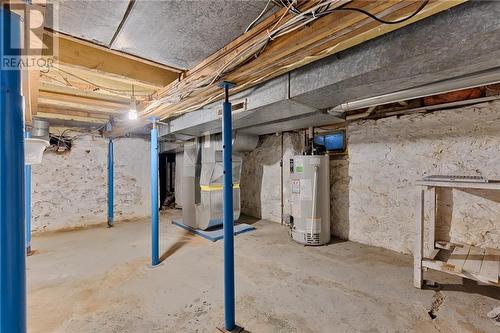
{"x":70,"y":190}
{"x":261,"y":176}
{"x":387,"y":156}
{"x":373,"y":192}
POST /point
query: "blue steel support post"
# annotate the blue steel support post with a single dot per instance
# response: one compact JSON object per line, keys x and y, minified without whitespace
{"x":12,"y":231}
{"x":110,"y":184}
{"x":27,"y":202}
{"x":228,"y":217}
{"x":155,"y":238}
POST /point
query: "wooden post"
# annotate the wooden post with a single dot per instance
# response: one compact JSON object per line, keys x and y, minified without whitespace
{"x":430,"y":242}
{"x":419,"y":239}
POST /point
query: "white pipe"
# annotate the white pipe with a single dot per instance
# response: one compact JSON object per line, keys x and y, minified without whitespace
{"x":440,"y":87}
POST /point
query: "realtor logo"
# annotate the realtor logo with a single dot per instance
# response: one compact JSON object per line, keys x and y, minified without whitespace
{"x":24,"y":43}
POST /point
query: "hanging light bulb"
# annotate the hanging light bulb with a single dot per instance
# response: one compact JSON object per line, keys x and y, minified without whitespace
{"x":132,"y":113}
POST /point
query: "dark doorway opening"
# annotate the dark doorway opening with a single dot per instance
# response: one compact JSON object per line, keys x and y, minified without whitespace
{"x":167,"y":178}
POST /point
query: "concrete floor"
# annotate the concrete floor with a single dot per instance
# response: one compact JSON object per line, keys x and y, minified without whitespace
{"x":98,"y":280}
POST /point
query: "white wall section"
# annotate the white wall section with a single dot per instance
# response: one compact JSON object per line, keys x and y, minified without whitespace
{"x":387,"y":156}
{"x":261,"y":176}
{"x":70,"y":189}
{"x":373,"y":192}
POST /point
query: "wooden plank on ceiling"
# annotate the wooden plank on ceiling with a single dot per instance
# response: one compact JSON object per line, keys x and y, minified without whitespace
{"x":326,"y":36}
{"x":61,"y":101}
{"x":79,"y":113}
{"x":78,"y":53}
{"x":43,"y":102}
{"x":75,"y":91}
{"x":70,"y":117}
{"x":93,"y":84}
{"x":101,"y":102}
{"x":101,"y":78}
{"x":116,"y":52}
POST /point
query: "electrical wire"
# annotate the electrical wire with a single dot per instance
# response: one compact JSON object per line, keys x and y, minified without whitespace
{"x":258,"y":17}
{"x":146,"y":93}
{"x":254,"y":50}
{"x":321,"y":12}
{"x":372,"y":16}
{"x":250,"y":51}
{"x":62,"y":138}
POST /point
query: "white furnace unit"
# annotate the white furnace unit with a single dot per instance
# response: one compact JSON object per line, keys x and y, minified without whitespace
{"x":310,"y":199}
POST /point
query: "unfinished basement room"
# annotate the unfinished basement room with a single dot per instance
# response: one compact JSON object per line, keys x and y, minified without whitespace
{"x":250,"y":166}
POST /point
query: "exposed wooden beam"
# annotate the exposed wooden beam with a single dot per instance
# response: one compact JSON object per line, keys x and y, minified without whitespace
{"x":30,"y":83}
{"x":78,"y":53}
{"x":31,"y":75}
{"x":80,"y":100}
{"x":44,"y":102}
{"x":100,"y":78}
{"x":70,"y":117}
{"x":75,"y":91}
{"x":69,"y":106}
{"x":326,"y":36}
{"x":92,"y":84}
{"x":89,"y":114}
{"x":122,"y":54}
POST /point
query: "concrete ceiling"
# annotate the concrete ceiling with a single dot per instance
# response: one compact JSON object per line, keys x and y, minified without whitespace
{"x":172,"y":32}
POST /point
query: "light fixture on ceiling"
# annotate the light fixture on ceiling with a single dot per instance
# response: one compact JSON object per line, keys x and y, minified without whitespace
{"x":132,"y":113}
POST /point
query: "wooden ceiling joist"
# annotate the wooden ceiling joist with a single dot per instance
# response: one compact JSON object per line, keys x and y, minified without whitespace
{"x":115,"y":52}
{"x":323,"y":37}
{"x":74,"y":91}
{"x":81,"y":54}
{"x":88,"y":83}
{"x":68,"y":115}
{"x":65,"y":100}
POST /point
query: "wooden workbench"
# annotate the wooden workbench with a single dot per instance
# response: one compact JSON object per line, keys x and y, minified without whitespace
{"x":458,"y":259}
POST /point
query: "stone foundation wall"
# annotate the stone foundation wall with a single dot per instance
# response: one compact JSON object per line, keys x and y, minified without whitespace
{"x":373,"y":192}
{"x":387,"y":156}
{"x":70,"y":189}
{"x":261,"y":176}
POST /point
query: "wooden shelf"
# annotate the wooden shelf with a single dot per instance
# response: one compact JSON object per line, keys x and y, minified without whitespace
{"x":462,"y":260}
{"x":469,"y":262}
{"x":491,"y":185}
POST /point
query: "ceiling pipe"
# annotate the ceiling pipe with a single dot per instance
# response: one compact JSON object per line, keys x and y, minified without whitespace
{"x":440,"y":106}
{"x":471,"y":81}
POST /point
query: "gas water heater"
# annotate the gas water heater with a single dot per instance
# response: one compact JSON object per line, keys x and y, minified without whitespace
{"x":310,"y":199}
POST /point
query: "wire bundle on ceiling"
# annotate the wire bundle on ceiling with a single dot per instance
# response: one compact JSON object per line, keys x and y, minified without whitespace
{"x":300,"y":19}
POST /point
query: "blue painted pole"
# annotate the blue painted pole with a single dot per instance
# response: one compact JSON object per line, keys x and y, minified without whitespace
{"x":12,"y":243}
{"x":228,"y":217}
{"x":110,"y":184}
{"x":27,"y":202}
{"x":155,"y":238}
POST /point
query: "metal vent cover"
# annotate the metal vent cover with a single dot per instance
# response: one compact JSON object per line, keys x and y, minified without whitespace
{"x":312,"y":239}
{"x":239,"y":106}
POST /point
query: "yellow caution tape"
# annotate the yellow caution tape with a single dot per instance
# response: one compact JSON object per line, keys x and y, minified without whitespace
{"x":216,"y":187}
